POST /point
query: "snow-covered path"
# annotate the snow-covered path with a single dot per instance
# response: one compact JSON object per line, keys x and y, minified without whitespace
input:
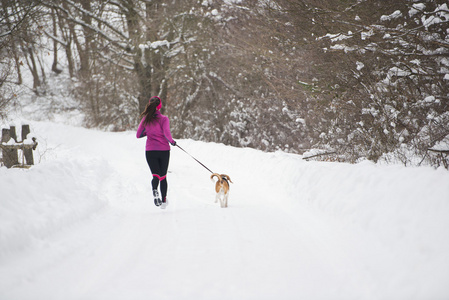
{"x":281,"y":237}
{"x":178,"y":254}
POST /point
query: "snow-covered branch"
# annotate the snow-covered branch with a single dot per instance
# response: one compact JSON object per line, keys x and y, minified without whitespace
{"x":100,"y":20}
{"x":60,"y":41}
{"x":100,"y":32}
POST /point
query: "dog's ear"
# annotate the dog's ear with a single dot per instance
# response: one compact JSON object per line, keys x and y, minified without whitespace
{"x":229,"y":178}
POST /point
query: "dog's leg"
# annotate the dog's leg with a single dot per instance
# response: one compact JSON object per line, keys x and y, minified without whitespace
{"x":226,"y":199}
{"x":219,"y":197}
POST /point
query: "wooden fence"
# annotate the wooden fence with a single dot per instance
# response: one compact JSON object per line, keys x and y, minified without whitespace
{"x":10,"y":146}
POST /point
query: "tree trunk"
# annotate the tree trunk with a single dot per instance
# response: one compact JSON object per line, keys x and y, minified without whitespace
{"x":33,"y":69}
{"x":142,"y":65}
{"x":86,"y":52}
{"x":13,"y":46}
{"x":68,"y":37}
{"x":54,"y":66}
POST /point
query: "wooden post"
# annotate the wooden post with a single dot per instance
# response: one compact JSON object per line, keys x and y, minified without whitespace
{"x":10,"y":156}
{"x":27,"y":152}
{"x":12,"y":133}
{"x":9,"y":148}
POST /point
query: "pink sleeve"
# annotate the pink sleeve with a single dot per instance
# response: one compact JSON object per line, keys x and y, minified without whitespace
{"x":141,"y":130}
{"x":166,"y":129}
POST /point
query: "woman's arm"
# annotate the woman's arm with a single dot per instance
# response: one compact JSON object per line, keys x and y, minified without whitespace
{"x":167,"y":132}
{"x":141,"y":130}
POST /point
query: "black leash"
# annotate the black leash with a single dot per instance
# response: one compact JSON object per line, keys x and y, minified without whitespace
{"x":195,"y":159}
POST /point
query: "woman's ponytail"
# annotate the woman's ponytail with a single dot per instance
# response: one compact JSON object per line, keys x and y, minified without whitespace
{"x":154,"y":104}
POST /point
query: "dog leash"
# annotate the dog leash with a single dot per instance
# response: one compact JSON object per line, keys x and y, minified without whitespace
{"x":194,"y":158}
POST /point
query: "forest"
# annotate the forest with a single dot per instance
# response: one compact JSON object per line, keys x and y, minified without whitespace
{"x":345,"y":80}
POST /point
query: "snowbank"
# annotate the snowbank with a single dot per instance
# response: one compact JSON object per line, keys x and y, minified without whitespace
{"x":51,"y":195}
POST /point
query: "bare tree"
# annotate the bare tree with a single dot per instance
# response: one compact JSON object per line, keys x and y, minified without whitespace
{"x":13,"y":30}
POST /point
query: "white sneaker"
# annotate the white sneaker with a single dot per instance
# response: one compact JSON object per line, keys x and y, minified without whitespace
{"x":164,"y":203}
{"x":157,"y":198}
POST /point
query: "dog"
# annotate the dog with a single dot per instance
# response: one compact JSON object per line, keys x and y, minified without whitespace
{"x":221,"y":188}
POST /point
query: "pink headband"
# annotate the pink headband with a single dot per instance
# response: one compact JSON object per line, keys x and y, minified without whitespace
{"x":160,"y":104}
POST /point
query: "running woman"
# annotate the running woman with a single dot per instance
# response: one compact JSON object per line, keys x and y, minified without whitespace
{"x":156,"y":127}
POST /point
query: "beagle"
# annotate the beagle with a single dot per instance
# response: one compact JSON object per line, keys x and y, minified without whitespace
{"x":221,"y":188}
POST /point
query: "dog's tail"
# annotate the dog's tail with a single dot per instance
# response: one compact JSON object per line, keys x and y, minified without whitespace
{"x":216,"y":175}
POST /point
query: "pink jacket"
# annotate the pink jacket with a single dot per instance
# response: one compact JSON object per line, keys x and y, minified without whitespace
{"x":157,"y":132}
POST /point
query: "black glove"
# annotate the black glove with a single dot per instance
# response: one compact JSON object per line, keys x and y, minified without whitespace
{"x":174,"y":143}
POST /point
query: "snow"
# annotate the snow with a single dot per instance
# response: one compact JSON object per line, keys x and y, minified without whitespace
{"x":441,"y":16}
{"x":366,"y":34}
{"x":157,"y":44}
{"x":343,"y":47}
{"x":396,"y":14}
{"x":417,"y":7}
{"x":360,"y":65}
{"x":337,"y":37}
{"x":231,"y":2}
{"x":81,"y":224}
{"x":431,"y":20}
{"x":395,"y":71}
{"x":430,"y":99}
{"x":206,"y":2}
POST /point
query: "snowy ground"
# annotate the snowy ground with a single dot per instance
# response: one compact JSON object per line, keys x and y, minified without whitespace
{"x":81,"y":224}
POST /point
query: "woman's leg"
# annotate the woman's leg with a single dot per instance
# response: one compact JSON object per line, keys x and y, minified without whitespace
{"x":164,"y":161}
{"x":154,"y":164}
{"x":158,"y":162}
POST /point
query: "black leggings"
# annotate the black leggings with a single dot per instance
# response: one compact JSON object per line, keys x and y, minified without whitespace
{"x":158,"y":163}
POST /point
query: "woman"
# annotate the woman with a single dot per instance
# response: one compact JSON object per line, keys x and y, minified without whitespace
{"x":156,"y":127}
